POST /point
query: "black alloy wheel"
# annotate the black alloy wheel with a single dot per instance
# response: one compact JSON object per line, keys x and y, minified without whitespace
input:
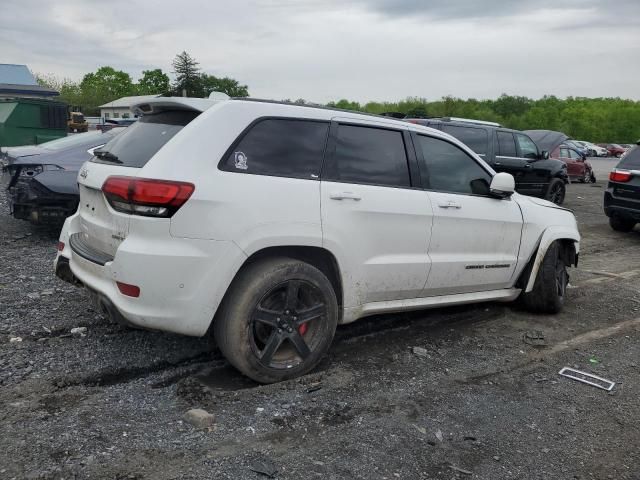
{"x":556,"y":191}
{"x":285,"y":324}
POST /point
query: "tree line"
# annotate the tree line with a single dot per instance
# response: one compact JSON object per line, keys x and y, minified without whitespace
{"x":599,"y":120}
{"x":108,"y":84}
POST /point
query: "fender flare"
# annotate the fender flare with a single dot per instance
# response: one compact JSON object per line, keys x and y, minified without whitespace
{"x":549,"y":236}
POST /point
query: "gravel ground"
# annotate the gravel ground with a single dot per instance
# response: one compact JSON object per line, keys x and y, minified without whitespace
{"x":477,"y":403}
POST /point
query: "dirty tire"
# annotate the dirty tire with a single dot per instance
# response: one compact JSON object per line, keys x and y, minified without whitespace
{"x":556,"y":191}
{"x":621,"y":224}
{"x":267,"y":331}
{"x":549,"y":289}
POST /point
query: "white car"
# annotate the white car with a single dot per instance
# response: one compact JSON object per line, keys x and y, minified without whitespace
{"x":268,"y":224}
{"x":594,"y":150}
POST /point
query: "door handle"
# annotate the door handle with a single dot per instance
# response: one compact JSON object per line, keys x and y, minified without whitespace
{"x":449,"y":205}
{"x":497,"y":164}
{"x":345,"y":196}
{"x":528,"y":165}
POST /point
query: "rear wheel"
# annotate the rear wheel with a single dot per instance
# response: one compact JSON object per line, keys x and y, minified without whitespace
{"x":621,"y":224}
{"x":556,"y":191}
{"x":549,"y":289}
{"x":278,"y":320}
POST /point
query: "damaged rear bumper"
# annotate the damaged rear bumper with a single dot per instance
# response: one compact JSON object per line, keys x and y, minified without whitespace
{"x":31,"y":200}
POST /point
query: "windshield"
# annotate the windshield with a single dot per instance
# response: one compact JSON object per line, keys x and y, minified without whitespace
{"x":75,"y":140}
{"x":141,"y":141}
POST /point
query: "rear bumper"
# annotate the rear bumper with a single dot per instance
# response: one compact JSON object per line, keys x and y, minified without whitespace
{"x":29,"y":200}
{"x":181,"y":281}
{"x":618,"y":207}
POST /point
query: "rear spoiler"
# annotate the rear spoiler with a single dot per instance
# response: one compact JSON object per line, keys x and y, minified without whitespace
{"x":159,"y":104}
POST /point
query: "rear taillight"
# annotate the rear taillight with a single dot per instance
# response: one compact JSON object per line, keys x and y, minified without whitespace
{"x":620,"y":176}
{"x":146,"y":197}
{"x":60,"y":246}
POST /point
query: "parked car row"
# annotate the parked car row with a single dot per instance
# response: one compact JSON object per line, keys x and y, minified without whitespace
{"x":305,"y":218}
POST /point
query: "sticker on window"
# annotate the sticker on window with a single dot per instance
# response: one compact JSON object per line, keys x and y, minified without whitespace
{"x":241,"y":160}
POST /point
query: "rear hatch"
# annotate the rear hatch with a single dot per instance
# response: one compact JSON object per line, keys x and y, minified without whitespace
{"x":103,"y":228}
{"x":624,"y":181}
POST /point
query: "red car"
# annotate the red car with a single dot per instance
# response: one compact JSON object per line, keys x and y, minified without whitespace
{"x":615,"y":150}
{"x":577,"y":166}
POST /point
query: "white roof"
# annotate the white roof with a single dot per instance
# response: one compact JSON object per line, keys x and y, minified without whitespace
{"x":127,"y":102}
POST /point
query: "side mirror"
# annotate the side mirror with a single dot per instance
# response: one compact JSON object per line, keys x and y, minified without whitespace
{"x":544,"y":155}
{"x":502,"y":185}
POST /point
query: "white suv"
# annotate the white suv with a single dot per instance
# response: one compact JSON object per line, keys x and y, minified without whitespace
{"x":268,"y":224}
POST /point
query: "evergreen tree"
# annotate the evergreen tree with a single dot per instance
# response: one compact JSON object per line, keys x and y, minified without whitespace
{"x":188,"y":76}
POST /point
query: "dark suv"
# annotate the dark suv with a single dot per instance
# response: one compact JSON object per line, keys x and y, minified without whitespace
{"x":508,"y":151}
{"x":622,"y":197}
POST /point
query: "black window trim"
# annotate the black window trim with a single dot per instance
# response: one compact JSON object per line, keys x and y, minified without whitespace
{"x":515,"y":143}
{"x":409,"y":148}
{"x":422,"y":163}
{"x":248,"y":128}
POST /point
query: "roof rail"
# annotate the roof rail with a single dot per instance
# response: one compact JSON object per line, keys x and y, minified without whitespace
{"x":470,"y":120}
{"x":311,"y":105}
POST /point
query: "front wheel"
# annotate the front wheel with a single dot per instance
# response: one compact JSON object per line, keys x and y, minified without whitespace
{"x":278,"y":319}
{"x":556,"y":191}
{"x":550,"y":287}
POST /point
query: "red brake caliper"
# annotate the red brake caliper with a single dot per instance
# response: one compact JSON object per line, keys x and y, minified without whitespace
{"x":302,"y":329}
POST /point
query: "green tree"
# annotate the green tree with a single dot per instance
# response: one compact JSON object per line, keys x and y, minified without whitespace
{"x":188,"y":76}
{"x":153,"y":82}
{"x":231,"y":87}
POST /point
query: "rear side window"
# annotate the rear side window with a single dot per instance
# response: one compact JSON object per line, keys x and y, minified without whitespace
{"x":369,"y":155}
{"x":474,"y":138}
{"x":138,"y":143}
{"x":280,"y":148}
{"x":506,"y":144}
{"x":449,"y":169}
{"x":631,"y":160}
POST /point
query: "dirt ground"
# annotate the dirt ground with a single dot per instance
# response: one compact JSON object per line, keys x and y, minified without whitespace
{"x":480,"y":403}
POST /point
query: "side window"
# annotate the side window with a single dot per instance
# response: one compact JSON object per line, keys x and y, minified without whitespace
{"x":450,"y":169}
{"x":528,"y":149}
{"x":369,"y":155}
{"x":564,"y":153}
{"x":506,"y":144}
{"x":280,"y":147}
{"x":474,"y":138}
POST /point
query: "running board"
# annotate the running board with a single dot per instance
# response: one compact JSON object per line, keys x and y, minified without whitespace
{"x":504,"y":295}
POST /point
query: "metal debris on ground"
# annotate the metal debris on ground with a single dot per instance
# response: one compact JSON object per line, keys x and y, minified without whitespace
{"x":421,"y":352}
{"x":534,"y":338}
{"x":265,"y":467}
{"x":439,"y":435}
{"x":314,"y":387}
{"x":587,"y":378}
{"x":82,"y":331}
{"x":461,"y":470}
{"x":15,"y":339}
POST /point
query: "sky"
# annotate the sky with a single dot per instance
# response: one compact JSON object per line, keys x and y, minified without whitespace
{"x":363,"y":50}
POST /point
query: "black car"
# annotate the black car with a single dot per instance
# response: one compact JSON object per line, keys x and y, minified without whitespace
{"x":508,"y":151}
{"x":622,"y":196}
{"x":42,"y":179}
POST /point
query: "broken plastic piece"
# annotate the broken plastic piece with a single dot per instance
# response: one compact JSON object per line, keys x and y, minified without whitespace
{"x":587,"y":378}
